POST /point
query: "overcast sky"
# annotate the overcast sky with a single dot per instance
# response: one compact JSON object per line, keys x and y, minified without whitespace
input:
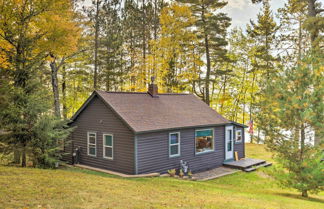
{"x":241,"y":11}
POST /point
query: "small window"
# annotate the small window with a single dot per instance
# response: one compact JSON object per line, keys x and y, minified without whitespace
{"x":108,"y":146}
{"x":238,"y":136}
{"x":174,"y":144}
{"x":230,"y":140}
{"x":92,"y":143}
{"x":204,"y":140}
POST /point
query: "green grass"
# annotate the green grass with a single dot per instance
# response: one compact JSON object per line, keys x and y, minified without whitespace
{"x":78,"y":188}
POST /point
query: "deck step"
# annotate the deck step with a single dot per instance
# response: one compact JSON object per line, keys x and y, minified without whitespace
{"x":265,"y":164}
{"x":249,"y":169}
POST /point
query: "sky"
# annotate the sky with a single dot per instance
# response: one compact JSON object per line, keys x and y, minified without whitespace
{"x":241,"y":11}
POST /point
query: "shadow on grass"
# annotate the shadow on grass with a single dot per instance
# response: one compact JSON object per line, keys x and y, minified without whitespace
{"x":298,"y":196}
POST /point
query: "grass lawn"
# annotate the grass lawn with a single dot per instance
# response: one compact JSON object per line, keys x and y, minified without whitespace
{"x":77,"y":188}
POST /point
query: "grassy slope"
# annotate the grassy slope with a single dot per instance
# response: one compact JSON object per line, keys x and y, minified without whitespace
{"x":76,"y":188}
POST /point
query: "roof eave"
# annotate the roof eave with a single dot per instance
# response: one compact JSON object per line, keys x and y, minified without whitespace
{"x":239,"y":124}
{"x":183,"y":127}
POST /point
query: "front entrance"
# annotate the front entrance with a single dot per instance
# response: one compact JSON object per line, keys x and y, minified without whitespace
{"x":229,"y":143}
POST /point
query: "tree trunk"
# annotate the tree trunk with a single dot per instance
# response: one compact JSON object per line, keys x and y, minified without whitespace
{"x":251,"y":104}
{"x":302,"y":142}
{"x":23,"y":157}
{"x":144,"y":43}
{"x":16,"y":156}
{"x":54,"y":70}
{"x":95,"y":75}
{"x":64,"y":93}
{"x":312,"y":13}
{"x":207,"y":79}
{"x":304,"y":193}
{"x":224,"y":91}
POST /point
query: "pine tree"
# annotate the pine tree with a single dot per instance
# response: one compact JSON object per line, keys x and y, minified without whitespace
{"x":294,"y":40}
{"x":111,"y":53}
{"x":264,"y":63}
{"x":293,"y":105}
{"x":27,"y":97}
{"x":211,"y":30}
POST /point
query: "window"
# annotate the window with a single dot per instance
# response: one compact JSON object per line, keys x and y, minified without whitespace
{"x":108,"y":146}
{"x":230,"y":140}
{"x":92,"y":143}
{"x":204,"y":140}
{"x":238,"y":136}
{"x":174,"y":144}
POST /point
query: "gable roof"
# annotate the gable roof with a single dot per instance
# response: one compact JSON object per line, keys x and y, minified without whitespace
{"x":143,"y":113}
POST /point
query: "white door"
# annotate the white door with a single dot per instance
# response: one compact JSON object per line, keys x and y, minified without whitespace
{"x":229,"y":143}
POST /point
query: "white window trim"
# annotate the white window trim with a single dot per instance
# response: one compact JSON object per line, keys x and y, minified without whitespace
{"x":238,"y":141}
{"x":104,"y":146}
{"x":179,"y":144}
{"x":88,"y":140}
{"x":213,"y":140}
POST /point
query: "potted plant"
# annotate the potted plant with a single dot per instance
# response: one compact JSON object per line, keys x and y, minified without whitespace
{"x":181,"y":174}
{"x":172,"y":172}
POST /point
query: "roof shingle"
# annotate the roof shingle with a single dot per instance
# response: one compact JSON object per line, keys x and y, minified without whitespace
{"x":169,"y":111}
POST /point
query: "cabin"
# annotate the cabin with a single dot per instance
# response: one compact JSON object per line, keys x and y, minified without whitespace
{"x":149,"y":132}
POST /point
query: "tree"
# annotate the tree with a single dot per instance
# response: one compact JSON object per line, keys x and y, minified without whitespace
{"x":93,"y":12}
{"x":264,"y":63}
{"x":297,"y":95}
{"x":237,"y":78}
{"x":173,"y":52}
{"x":314,"y":22}
{"x":60,"y":35}
{"x":22,"y":28}
{"x":293,"y":39}
{"x":111,"y":53}
{"x":211,"y":30}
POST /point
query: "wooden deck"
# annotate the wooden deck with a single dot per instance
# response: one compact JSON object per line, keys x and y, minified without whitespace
{"x":247,"y":164}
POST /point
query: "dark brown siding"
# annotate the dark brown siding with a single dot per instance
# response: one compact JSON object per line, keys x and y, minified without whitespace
{"x":153,"y":151}
{"x":99,"y":118}
{"x":239,"y":146}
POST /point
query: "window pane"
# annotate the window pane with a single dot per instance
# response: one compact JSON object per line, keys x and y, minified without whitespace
{"x":238,"y":135}
{"x":204,"y":140}
{"x":204,"y":133}
{"x":108,"y":140}
{"x":229,"y":146}
{"x":108,"y":152}
{"x":174,"y":149}
{"x":92,"y":150}
{"x":92,"y":140}
{"x":174,"y":138}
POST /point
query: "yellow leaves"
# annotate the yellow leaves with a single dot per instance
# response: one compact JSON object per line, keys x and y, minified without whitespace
{"x":173,"y":54}
{"x":319,"y":71}
{"x":61,"y":32}
{"x":4,"y":46}
{"x":296,"y":106}
{"x":50,"y":20}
